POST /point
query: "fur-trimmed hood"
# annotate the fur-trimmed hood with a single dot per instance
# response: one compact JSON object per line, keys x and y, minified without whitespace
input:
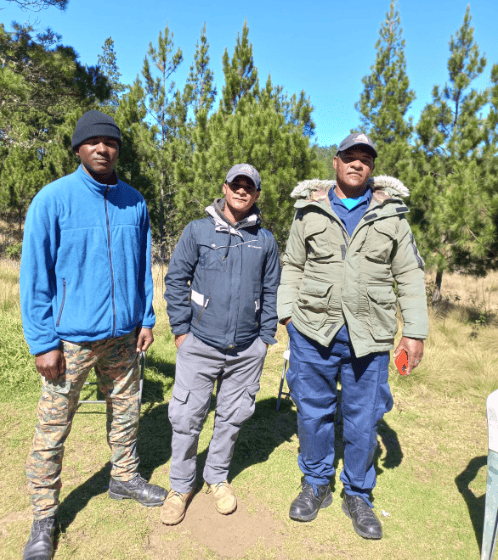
{"x":391,"y":186}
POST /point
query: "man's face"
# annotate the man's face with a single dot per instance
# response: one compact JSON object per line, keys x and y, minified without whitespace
{"x":353,"y":168}
{"x":240,"y":195}
{"x":98,"y":156}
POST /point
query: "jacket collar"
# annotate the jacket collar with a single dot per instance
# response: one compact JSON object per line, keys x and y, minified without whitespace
{"x":222,"y":223}
{"x":96,"y":187}
{"x":383,"y":187}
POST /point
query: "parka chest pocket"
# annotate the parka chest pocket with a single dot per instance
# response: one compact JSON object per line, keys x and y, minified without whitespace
{"x":211,"y":256}
{"x":381,"y":241}
{"x":318,"y":240}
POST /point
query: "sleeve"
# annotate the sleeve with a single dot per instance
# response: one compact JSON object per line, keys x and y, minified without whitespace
{"x":271,"y":278}
{"x":149,"y":318}
{"x":178,"y":280}
{"x":37,"y":276}
{"x":292,"y":270}
{"x":408,"y":271}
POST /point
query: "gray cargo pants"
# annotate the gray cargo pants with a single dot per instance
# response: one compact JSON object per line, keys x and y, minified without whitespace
{"x":198,"y":366}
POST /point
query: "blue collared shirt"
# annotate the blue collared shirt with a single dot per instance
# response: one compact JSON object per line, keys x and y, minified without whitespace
{"x":350,"y":217}
{"x":350,"y":211}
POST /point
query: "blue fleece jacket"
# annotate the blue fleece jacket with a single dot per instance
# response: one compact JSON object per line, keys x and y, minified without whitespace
{"x":86,"y":263}
{"x":222,"y":281}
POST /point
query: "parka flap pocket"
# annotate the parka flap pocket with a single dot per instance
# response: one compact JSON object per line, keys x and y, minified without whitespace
{"x":314,"y":227}
{"x":180,"y":394}
{"x":386,"y":227}
{"x":382,"y":295}
{"x":318,"y":290}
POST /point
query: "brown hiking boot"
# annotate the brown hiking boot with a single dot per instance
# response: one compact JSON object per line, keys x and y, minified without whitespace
{"x":225,"y":501}
{"x":174,"y":507}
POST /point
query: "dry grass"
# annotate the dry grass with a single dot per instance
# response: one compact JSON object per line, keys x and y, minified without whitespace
{"x":430,"y":461}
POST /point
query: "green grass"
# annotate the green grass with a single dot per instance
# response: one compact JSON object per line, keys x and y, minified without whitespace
{"x":431,"y":463}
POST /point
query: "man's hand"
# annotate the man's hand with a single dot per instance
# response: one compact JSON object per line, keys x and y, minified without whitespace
{"x":51,"y":364}
{"x":414,"y":349}
{"x":286,"y":321}
{"x":179,"y":338}
{"x":144,"y":339}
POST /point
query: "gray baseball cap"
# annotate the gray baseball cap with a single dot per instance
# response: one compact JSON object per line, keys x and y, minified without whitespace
{"x":358,"y":139}
{"x":247,"y":171}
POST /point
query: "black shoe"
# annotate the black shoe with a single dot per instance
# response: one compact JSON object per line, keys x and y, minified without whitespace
{"x":365,"y":521}
{"x":40,"y":545}
{"x":305,"y":507}
{"x":137,"y":489}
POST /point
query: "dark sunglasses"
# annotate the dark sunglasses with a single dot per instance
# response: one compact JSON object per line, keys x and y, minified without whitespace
{"x":247,"y":187}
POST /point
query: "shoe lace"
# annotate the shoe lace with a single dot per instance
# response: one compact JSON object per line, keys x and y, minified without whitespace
{"x":217,"y":486}
{"x":44,"y":524}
{"x":307,"y":489}
{"x":137,"y":481}
{"x":363,"y":510}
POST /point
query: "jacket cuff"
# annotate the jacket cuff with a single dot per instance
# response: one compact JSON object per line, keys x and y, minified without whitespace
{"x":268,"y":339}
{"x":181,"y":329}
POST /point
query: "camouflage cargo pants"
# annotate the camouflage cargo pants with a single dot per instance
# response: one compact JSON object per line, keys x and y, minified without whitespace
{"x":116,"y":365}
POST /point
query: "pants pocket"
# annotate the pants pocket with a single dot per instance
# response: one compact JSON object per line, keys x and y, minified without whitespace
{"x":247,"y":403}
{"x":178,"y":410}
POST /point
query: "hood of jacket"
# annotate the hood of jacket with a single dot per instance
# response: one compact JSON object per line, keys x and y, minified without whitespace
{"x":383,"y":187}
{"x":222,"y":223}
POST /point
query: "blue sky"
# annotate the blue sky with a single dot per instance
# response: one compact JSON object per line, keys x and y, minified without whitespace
{"x":324,"y":48}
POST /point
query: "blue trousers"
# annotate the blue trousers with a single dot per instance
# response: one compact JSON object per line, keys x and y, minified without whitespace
{"x":366,"y":397}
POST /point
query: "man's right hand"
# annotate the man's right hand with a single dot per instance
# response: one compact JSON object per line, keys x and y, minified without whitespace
{"x":179,"y":338}
{"x":51,"y":364}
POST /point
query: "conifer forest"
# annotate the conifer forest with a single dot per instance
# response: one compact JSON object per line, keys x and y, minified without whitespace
{"x":179,"y":140}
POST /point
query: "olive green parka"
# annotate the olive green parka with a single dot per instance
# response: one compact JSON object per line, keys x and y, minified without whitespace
{"x":329,"y":278}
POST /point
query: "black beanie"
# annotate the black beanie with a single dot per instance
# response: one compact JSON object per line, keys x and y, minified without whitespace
{"x":92,"y":124}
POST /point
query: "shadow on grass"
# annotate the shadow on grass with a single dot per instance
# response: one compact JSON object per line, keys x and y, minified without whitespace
{"x":391,"y":460}
{"x":266,"y":430}
{"x":78,"y":499}
{"x":475,"y":504}
{"x":154,"y":450}
{"x":166,"y":369}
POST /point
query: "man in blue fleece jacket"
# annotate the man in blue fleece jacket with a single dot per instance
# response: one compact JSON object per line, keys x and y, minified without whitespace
{"x":86,"y":301}
{"x":221,"y":290}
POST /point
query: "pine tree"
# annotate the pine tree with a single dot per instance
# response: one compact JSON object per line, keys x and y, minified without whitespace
{"x":22,"y":177}
{"x":36,"y":121}
{"x":165,"y":108}
{"x":386,"y":99}
{"x":257,"y":134}
{"x":200,"y":90}
{"x":451,"y":207}
{"x":240,"y":73}
{"x":261,"y":126}
{"x":325,"y":155}
{"x":108,"y":66}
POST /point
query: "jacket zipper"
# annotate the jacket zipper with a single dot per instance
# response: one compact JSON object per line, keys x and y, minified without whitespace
{"x":202,"y":310}
{"x":110,"y":263}
{"x":63,"y":301}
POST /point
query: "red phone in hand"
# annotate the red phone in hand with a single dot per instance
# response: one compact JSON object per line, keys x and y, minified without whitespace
{"x":402,"y":362}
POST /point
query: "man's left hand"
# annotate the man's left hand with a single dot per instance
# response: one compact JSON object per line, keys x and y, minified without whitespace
{"x":144,"y":339}
{"x":414,"y":348}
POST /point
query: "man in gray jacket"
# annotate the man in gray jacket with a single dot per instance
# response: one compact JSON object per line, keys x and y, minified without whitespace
{"x":221,"y":290}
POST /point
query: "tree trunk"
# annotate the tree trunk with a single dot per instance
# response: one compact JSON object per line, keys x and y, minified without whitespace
{"x":436,"y":296}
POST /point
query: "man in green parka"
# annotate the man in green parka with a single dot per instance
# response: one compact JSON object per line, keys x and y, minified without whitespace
{"x":348,"y":244}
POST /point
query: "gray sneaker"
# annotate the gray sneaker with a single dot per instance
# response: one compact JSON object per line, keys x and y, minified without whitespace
{"x":40,"y":545}
{"x":137,"y":489}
